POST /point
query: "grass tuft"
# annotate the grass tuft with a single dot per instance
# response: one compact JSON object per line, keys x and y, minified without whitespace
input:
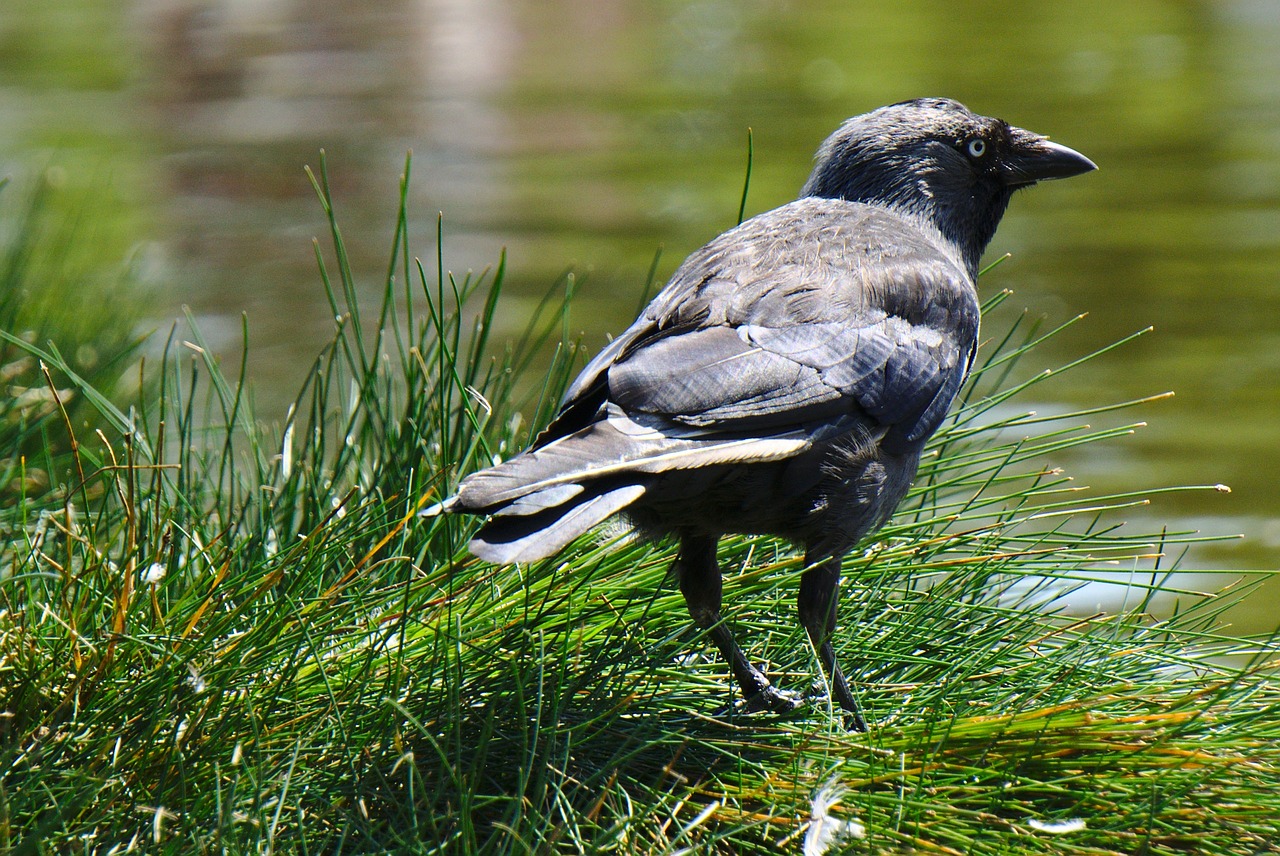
{"x":220,"y":636}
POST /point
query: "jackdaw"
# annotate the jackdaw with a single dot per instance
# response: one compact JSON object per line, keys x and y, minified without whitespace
{"x":786,"y":379}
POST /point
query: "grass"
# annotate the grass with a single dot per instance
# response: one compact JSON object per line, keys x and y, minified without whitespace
{"x":216,"y":636}
{"x":44,"y":268}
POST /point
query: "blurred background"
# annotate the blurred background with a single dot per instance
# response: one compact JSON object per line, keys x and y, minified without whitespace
{"x":589,"y":134}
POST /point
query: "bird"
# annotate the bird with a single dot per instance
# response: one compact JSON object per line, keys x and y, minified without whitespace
{"x":786,"y":379}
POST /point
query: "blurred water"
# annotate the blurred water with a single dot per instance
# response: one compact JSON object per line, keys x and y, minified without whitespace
{"x":590,"y":133}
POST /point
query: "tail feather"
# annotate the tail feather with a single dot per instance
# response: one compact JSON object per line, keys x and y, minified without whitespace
{"x":539,"y":501}
{"x":610,"y":449}
{"x":542,"y":499}
{"x":527,"y":537}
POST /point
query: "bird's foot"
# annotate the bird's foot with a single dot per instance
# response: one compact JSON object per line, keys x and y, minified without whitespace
{"x":772,"y":699}
{"x":850,"y":715}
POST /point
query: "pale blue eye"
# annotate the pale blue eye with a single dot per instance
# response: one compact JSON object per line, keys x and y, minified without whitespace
{"x":977,"y":147}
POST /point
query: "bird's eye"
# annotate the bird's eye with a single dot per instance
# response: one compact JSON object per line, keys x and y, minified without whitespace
{"x":977,"y":147}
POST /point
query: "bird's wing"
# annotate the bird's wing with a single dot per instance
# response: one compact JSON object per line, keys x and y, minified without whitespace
{"x":820,"y":310}
{"x":879,"y":369}
{"x":586,"y":395}
{"x":815,"y":313}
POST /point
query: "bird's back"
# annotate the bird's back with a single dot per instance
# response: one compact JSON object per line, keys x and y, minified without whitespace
{"x":784,"y":351}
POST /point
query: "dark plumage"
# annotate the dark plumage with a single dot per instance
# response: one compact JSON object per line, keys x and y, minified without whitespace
{"x":788,"y":376}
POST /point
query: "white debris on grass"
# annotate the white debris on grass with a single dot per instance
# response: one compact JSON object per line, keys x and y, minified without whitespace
{"x":195,"y":680}
{"x":1057,"y":827}
{"x":286,"y":447}
{"x":153,"y":574}
{"x":825,"y":829}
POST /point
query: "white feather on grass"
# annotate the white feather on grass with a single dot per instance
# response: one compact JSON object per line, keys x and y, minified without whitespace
{"x":1057,"y":827}
{"x":825,"y":829}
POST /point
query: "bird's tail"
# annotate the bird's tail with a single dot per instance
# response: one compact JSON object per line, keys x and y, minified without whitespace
{"x":538,"y":525}
{"x":528,"y":533}
{"x":542,"y":499}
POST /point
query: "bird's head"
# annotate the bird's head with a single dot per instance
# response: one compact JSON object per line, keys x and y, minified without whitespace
{"x":933,"y":158}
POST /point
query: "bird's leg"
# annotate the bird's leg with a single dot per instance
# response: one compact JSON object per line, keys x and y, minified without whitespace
{"x":702,"y":586}
{"x":818,"y":600}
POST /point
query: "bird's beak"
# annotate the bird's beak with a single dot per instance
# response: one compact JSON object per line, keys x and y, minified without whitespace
{"x":1034,"y":158}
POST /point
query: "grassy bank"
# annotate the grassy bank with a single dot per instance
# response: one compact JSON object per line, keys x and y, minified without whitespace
{"x":219,"y":636}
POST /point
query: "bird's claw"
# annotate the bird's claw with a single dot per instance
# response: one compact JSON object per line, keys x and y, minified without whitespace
{"x":770,"y":698}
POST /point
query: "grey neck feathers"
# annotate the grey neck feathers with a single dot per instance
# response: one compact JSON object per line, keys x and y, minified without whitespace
{"x":965,"y":215}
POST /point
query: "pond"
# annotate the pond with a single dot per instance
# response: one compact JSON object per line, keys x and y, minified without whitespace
{"x":589,"y":134}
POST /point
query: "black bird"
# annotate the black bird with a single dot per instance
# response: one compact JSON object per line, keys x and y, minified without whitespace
{"x":786,"y":379}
